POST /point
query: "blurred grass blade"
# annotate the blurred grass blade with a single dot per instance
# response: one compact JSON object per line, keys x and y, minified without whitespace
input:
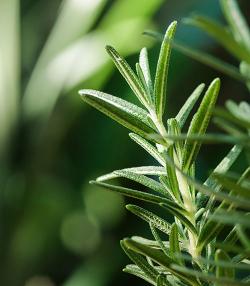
{"x":237,"y":22}
{"x":200,"y":123}
{"x":144,"y":170}
{"x":223,"y":272}
{"x":143,"y":62}
{"x":182,"y":115}
{"x":221,"y":35}
{"x":203,"y":58}
{"x":148,"y":147}
{"x":160,"y":86}
{"x":40,"y":98}
{"x":124,"y":112}
{"x":9,"y":70}
{"x":150,"y":218}
{"x":129,"y":75}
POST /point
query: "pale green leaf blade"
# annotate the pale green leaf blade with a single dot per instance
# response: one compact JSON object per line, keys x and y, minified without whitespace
{"x":136,"y":271}
{"x":137,"y":194}
{"x":200,"y":123}
{"x":124,"y":112}
{"x":148,"y":147}
{"x":160,"y":86}
{"x":142,"y":170}
{"x":181,"y":216}
{"x":141,"y":179}
{"x":174,"y":244}
{"x":189,"y":104}
{"x":158,"y":239}
{"x":128,"y":74}
{"x":141,"y":262}
{"x":159,"y":257}
{"x":143,"y":62}
{"x":150,"y":218}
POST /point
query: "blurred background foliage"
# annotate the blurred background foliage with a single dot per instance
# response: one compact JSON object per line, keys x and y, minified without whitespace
{"x":55,"y":228}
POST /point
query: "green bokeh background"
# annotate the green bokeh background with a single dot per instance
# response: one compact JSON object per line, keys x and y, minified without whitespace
{"x":55,"y":228}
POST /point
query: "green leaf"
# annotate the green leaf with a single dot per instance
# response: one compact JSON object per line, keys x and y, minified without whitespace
{"x":237,"y":22}
{"x":162,"y":280}
{"x":132,"y":193}
{"x":222,"y":35}
{"x":181,"y":216}
{"x":160,"y":86}
{"x":135,"y":270}
{"x":143,"y":62}
{"x":129,"y":75}
{"x":199,"y":123}
{"x":141,"y":179}
{"x":158,"y":239}
{"x":143,"y":170}
{"x":141,"y":262}
{"x":172,"y":178}
{"x":189,"y":104}
{"x":148,"y":147}
{"x":159,"y":257}
{"x":150,"y":218}
{"x":223,"y":272}
{"x":124,"y":112}
{"x":174,"y":244}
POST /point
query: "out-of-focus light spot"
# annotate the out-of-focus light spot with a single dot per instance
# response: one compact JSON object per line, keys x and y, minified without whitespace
{"x":80,"y":233}
{"x":39,"y":281}
{"x":106,"y":207}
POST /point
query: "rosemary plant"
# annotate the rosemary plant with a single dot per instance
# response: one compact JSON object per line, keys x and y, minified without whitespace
{"x":207,"y":243}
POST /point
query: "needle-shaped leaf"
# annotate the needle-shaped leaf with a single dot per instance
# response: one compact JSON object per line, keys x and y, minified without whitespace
{"x":181,"y":216}
{"x":237,"y":22}
{"x":140,"y":196}
{"x":141,"y":179}
{"x":143,"y":170}
{"x":158,"y":239}
{"x":143,"y":62}
{"x":160,"y":86}
{"x":129,"y":75}
{"x":136,"y":271}
{"x":150,"y":217}
{"x":141,"y":262}
{"x":174,"y":244}
{"x":222,"y":35}
{"x":199,"y":123}
{"x":189,"y":104}
{"x":148,"y":147}
{"x":159,"y":257}
{"x":124,"y":112}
